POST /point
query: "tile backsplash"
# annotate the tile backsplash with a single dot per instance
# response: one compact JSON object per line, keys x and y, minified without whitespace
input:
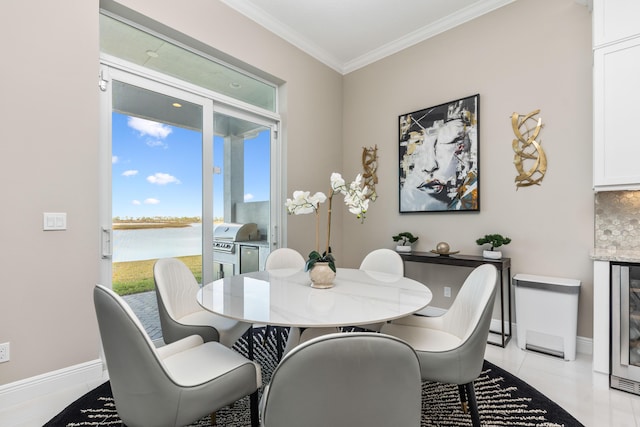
{"x":617,"y":220}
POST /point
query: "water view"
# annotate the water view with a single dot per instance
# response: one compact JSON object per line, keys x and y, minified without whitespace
{"x":152,"y":243}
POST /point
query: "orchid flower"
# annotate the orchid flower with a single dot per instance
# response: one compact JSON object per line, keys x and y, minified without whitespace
{"x":356,"y":198}
{"x":302,"y":203}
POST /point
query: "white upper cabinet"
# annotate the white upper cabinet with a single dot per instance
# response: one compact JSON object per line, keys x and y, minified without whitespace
{"x":615,"y":20}
{"x":616,"y":90}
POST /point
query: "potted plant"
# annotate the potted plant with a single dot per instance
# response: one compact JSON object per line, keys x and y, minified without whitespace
{"x":495,"y":240}
{"x":404,"y":240}
{"x":322,"y":267}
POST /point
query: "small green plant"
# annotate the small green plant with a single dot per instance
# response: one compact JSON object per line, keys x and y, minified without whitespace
{"x":495,"y":240}
{"x":405,"y":238}
{"x":316,"y":257}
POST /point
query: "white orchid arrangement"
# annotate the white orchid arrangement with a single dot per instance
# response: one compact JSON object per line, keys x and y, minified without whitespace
{"x":356,"y":197}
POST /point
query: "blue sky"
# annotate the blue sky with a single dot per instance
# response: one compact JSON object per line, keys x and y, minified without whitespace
{"x":157,"y":169}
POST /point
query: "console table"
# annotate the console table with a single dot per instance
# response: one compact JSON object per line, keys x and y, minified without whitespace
{"x":504,"y":267}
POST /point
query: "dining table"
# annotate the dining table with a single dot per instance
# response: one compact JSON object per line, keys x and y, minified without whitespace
{"x":285,"y":297}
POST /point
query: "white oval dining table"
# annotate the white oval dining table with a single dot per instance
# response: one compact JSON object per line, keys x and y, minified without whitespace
{"x":285,"y":298}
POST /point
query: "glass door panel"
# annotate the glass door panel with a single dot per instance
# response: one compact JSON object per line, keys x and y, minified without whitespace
{"x":242,"y":188}
{"x":156,"y":184}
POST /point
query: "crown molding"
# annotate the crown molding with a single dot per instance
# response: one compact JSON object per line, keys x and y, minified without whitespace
{"x":285,"y":32}
{"x":296,"y":39}
{"x":462,"y":16}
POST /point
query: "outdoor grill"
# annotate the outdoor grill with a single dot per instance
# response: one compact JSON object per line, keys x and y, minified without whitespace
{"x":226,"y":253}
{"x":227,"y":233}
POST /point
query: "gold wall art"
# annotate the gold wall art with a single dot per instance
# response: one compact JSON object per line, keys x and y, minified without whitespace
{"x":530,"y":159}
{"x":370,"y":167}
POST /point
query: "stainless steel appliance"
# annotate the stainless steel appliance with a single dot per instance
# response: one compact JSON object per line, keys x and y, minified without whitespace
{"x":249,"y":258}
{"x":625,"y":327}
{"x":227,"y":238}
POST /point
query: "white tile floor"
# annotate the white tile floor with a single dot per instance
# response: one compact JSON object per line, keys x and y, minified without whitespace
{"x":573,"y":385}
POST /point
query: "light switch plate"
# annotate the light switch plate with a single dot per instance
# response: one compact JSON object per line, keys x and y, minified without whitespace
{"x":4,"y":352}
{"x":54,"y":221}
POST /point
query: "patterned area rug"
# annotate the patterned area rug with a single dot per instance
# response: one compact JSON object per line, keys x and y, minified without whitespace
{"x":503,"y":399}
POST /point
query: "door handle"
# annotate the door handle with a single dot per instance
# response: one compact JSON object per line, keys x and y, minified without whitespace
{"x":105,"y":243}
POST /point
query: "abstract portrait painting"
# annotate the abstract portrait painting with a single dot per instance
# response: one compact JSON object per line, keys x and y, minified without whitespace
{"x":439,"y":157}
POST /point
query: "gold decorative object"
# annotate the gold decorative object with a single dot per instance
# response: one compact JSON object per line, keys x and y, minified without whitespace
{"x":443,"y":249}
{"x":529,"y":153}
{"x":370,"y":166}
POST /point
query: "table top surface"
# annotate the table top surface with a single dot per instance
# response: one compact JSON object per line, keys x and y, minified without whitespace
{"x":285,"y":298}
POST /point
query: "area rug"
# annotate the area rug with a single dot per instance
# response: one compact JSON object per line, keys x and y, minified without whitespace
{"x":503,"y":399}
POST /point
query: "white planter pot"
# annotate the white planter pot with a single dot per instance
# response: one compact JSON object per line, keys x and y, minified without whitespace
{"x":401,"y":248}
{"x":322,"y":276}
{"x":492,"y":254}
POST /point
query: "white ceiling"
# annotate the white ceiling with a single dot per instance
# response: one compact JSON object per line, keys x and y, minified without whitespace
{"x":350,"y":34}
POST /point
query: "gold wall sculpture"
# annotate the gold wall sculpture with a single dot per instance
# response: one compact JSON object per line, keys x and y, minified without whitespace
{"x":370,"y":166}
{"x":530,"y":159}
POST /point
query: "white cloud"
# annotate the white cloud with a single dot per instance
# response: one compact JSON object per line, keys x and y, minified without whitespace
{"x":162,"y":179}
{"x":130,"y":172}
{"x":114,"y":159}
{"x":151,"y":201}
{"x":136,"y":202}
{"x":248,"y":197}
{"x":149,"y":128}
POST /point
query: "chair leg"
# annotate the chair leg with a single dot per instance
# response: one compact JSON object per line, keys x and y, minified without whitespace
{"x":250,"y":342}
{"x":278,"y":343}
{"x":267,"y":331}
{"x":473,"y":404}
{"x":463,"y":398}
{"x":253,"y":407}
{"x":212,"y":418}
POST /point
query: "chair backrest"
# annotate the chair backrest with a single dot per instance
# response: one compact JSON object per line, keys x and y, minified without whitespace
{"x":354,"y":379}
{"x":284,"y":258}
{"x":383,"y":261}
{"x":177,"y":287}
{"x":135,"y":371}
{"x":474,"y":300}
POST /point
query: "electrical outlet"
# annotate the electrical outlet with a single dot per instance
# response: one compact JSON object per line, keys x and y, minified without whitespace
{"x":447,"y":292}
{"x":4,"y":352}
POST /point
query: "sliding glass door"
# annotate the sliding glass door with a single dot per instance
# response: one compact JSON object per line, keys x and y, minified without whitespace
{"x":174,"y":165}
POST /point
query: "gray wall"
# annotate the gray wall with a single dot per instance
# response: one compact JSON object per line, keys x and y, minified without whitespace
{"x":49,"y":157}
{"x":531,"y":54}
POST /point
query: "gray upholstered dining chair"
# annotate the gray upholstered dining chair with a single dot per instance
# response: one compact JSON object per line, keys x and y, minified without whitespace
{"x":451,"y":347}
{"x":179,"y":312}
{"x":382,"y":261}
{"x":351,"y":379}
{"x":173,"y":385}
{"x":287,"y":258}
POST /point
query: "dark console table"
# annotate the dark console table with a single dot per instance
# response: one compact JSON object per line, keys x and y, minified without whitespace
{"x":504,"y":267}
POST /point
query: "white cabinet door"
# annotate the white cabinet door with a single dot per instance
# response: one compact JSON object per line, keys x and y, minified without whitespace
{"x":616,"y":77}
{"x":615,"y":20}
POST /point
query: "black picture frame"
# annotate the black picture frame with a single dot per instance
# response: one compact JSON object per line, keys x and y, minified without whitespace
{"x":439,"y":151}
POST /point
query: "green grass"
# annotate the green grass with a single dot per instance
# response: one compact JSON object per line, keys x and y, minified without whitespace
{"x":133,"y":277}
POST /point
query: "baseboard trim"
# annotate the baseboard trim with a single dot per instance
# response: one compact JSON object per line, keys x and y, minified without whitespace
{"x":50,"y":382}
{"x":584,"y":345}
